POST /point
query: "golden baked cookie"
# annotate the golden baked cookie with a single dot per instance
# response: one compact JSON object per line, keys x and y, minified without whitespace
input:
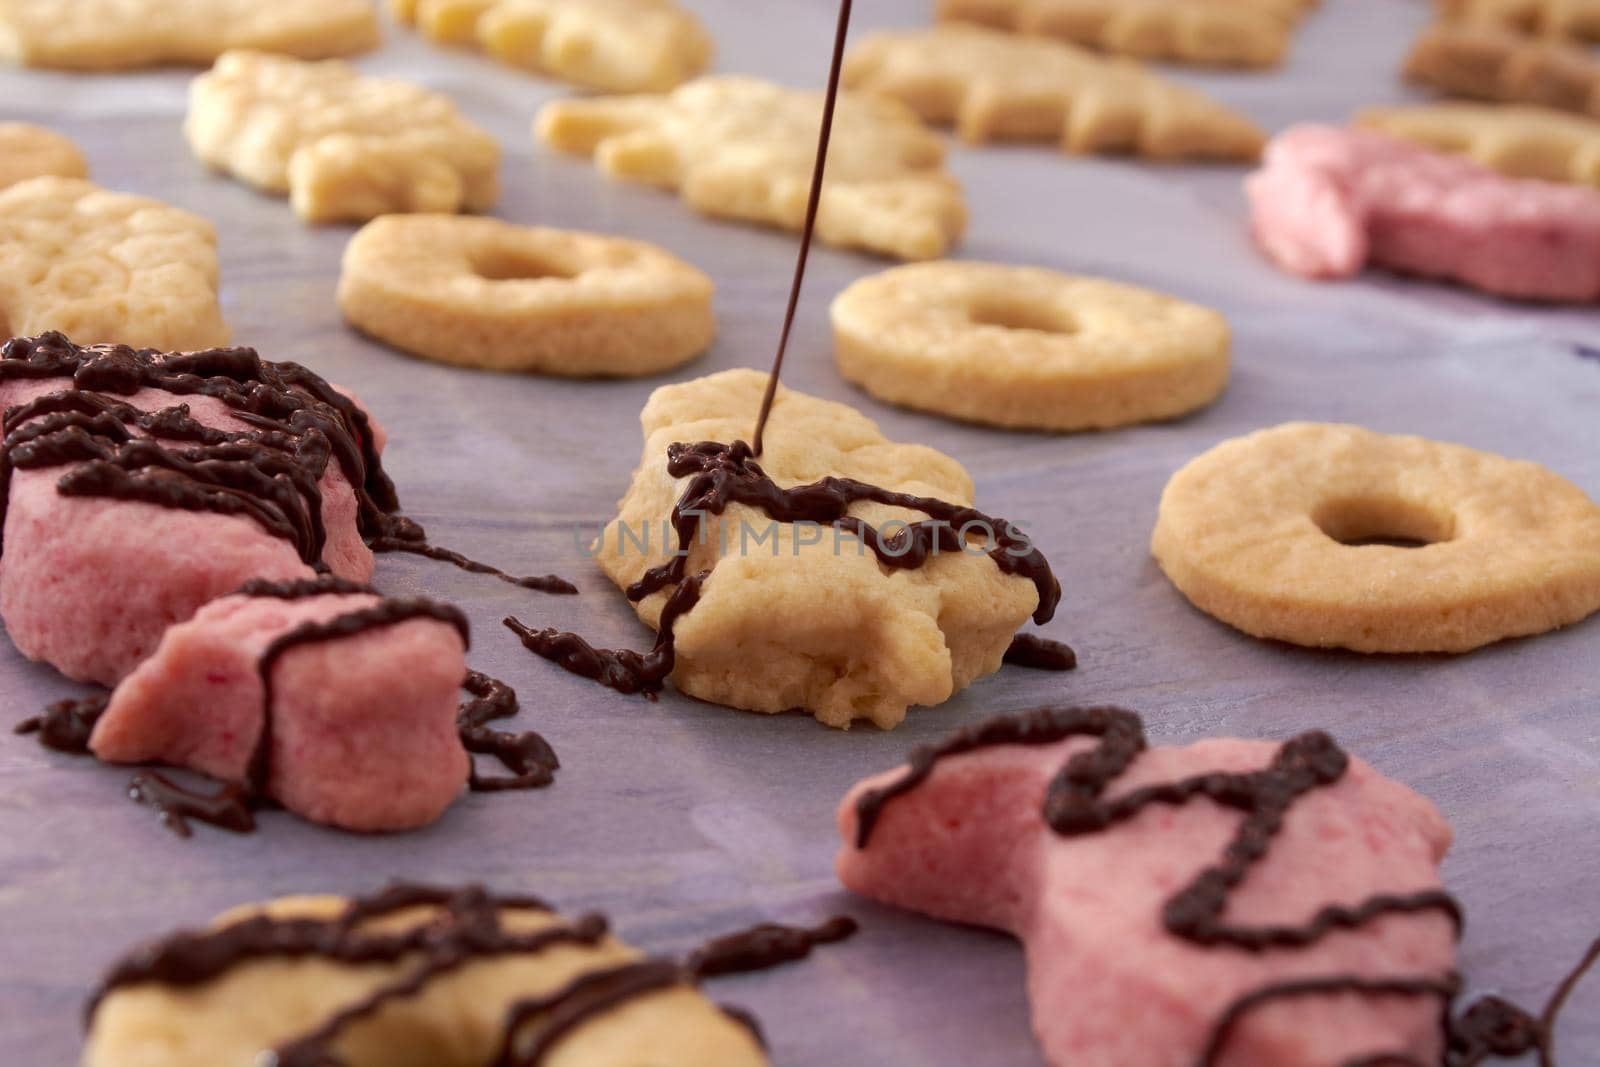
{"x":486,"y":293}
{"x":343,"y":146}
{"x":1523,"y":142}
{"x":797,"y":616}
{"x":1275,"y":533}
{"x":1029,"y":348}
{"x":106,"y":267}
{"x":611,"y":46}
{"x":1579,"y":19}
{"x":1223,"y":33}
{"x":1488,"y":63}
{"x":999,"y":86}
{"x":120,"y":34}
{"x":742,"y":148}
{"x":29,"y":151}
{"x":286,"y":981}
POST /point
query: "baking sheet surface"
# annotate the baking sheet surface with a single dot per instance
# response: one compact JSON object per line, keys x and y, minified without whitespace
{"x":682,"y":819}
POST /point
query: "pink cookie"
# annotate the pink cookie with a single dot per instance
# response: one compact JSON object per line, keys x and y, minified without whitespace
{"x":361,"y":730}
{"x":1141,"y":949}
{"x":90,"y":579}
{"x":1330,"y":199}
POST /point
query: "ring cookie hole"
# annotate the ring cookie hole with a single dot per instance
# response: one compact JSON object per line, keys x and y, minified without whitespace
{"x":1015,"y":313}
{"x":512,"y":265}
{"x":1390,"y":521}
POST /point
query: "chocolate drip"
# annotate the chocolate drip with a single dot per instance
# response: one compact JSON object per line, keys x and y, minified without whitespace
{"x":1074,"y":805}
{"x":189,"y":959}
{"x":1040,"y":654}
{"x":385,"y":613}
{"x":528,"y":756}
{"x":477,"y":935}
{"x":547,"y":583}
{"x":553,"y":1016}
{"x":819,"y":166}
{"x":303,"y":588}
{"x":230,"y":807}
{"x":623,"y":669}
{"x":67,"y":725}
{"x":269,"y":473}
{"x":745,"y":1018}
{"x":765,"y":946}
{"x":721,"y":475}
{"x":470,"y":927}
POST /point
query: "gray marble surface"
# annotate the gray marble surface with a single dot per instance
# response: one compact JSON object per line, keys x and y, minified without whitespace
{"x":683,"y":819}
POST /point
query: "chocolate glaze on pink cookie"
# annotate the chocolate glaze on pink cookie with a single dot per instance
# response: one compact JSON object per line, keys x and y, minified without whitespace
{"x":138,"y":485}
{"x":335,"y":702}
{"x":1329,"y":199}
{"x":1229,"y":903}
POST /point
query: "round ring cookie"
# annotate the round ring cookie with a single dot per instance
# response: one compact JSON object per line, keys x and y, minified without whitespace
{"x":1028,"y":348}
{"x":1336,"y":536}
{"x":479,"y":292}
{"x":29,"y":151}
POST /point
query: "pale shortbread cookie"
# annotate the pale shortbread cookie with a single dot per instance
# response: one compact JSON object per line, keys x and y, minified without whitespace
{"x":457,"y":1019}
{"x":798,"y":620}
{"x":742,"y":148}
{"x":118,"y":34}
{"x":29,"y":151}
{"x":342,"y":146}
{"x":1488,"y":63}
{"x":1224,"y":33}
{"x":999,"y":86}
{"x":1028,"y":348}
{"x":103,"y":266}
{"x":1522,"y":142}
{"x":612,"y":46}
{"x":1579,"y":19}
{"x":486,"y":293}
{"x":1265,"y":531}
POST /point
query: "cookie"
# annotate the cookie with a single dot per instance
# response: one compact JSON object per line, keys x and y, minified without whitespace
{"x":121,"y":34}
{"x":609,"y":46}
{"x":106,"y":266}
{"x":1223,"y":33}
{"x":29,"y":151}
{"x":343,"y":146}
{"x":1272,"y":533}
{"x":1486,"y":63}
{"x":486,"y":293}
{"x":1578,"y":19}
{"x":1029,"y":348}
{"x":1329,"y":200}
{"x":998,"y":86}
{"x":412,"y":974}
{"x":1298,"y":921}
{"x":1523,"y":142}
{"x":741,"y":148}
{"x":143,"y":485}
{"x":843,"y":574}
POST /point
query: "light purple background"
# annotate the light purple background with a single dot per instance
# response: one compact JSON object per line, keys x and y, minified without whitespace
{"x":682,"y":819}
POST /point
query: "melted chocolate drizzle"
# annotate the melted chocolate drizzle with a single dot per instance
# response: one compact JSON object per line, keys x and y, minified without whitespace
{"x":1040,"y":653}
{"x":545,"y":583}
{"x":470,"y":927}
{"x":269,"y":474}
{"x":528,"y":756}
{"x":67,"y":725}
{"x":1075,"y":805}
{"x":723,"y":474}
{"x":532,"y":763}
{"x":765,"y":946}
